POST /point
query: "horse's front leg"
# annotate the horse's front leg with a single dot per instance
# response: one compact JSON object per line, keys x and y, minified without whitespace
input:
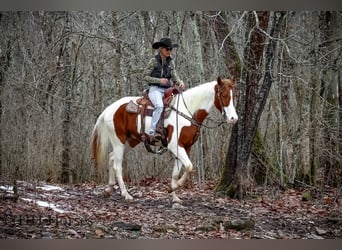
{"x":176,"y":183}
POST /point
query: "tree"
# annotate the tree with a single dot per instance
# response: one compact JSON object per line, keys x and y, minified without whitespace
{"x":68,"y":81}
{"x":329,"y":90}
{"x":60,"y":69}
{"x":235,"y":178}
{"x":4,"y":63}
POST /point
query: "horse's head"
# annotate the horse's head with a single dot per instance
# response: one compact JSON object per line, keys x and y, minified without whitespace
{"x":224,"y":99}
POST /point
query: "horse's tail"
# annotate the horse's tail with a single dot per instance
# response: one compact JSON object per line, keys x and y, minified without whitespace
{"x":99,"y":142}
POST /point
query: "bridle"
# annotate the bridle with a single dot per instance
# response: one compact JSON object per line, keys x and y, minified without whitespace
{"x":218,"y":92}
{"x":193,"y":121}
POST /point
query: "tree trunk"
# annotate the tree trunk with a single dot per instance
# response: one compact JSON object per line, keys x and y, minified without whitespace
{"x":67,"y":95}
{"x":328,"y":27}
{"x":2,"y":81}
{"x":4,"y":61}
{"x":117,"y":59}
{"x":339,"y":79}
{"x":235,"y":178}
{"x":231,"y":57}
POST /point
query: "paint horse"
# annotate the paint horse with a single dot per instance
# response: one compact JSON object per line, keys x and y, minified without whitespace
{"x":119,"y":129}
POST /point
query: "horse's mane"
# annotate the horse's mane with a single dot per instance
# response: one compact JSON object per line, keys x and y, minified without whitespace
{"x":198,"y":88}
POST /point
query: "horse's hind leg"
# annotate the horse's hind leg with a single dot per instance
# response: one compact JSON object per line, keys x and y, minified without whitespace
{"x":109,"y":189}
{"x":117,"y":165}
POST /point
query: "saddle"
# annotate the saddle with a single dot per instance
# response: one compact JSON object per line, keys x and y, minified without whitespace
{"x":168,"y":97}
{"x":144,"y":107}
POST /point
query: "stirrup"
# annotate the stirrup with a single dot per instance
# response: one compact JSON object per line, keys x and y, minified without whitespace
{"x":156,"y":136}
{"x":147,"y":142}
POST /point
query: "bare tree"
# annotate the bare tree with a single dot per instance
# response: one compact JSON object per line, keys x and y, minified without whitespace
{"x":235,"y":179}
{"x":67,"y":81}
{"x":60,"y":69}
{"x":329,"y":90}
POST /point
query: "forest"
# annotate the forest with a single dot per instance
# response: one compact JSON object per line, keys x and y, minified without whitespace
{"x":60,"y":69}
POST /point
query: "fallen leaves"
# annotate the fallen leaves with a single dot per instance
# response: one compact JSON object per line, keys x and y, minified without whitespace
{"x":55,"y":211}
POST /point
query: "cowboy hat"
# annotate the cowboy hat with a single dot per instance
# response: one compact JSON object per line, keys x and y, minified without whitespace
{"x":164,"y":42}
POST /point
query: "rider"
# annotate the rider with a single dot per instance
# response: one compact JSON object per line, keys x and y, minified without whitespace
{"x":160,"y":74}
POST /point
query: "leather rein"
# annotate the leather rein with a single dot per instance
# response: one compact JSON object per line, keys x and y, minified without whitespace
{"x":191,"y":117}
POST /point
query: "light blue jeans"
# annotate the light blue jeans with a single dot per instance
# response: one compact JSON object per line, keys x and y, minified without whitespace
{"x":156,"y":96}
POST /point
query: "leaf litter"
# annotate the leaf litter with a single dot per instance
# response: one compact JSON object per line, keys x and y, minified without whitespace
{"x":54,"y":211}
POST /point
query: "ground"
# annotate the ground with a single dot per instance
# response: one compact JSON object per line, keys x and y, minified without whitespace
{"x":54,"y":211}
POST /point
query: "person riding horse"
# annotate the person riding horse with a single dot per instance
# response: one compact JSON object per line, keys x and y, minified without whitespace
{"x":160,"y":74}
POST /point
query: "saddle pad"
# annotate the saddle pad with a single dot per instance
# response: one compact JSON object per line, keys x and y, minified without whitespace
{"x":132,"y":107}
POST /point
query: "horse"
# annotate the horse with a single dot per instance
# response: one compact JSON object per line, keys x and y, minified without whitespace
{"x":120,"y":129}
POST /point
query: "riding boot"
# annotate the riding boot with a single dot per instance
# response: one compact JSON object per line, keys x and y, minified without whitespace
{"x":155,"y":136}
{"x":161,"y":131}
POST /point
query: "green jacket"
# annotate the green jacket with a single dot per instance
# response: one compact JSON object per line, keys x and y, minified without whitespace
{"x":154,"y":72}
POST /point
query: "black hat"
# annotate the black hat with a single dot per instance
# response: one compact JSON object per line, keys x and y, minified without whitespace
{"x":164,"y":42}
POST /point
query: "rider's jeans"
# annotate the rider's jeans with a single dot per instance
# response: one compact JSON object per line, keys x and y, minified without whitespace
{"x":156,"y":96}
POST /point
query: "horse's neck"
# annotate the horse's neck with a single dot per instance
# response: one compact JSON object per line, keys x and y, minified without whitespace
{"x":200,"y":97}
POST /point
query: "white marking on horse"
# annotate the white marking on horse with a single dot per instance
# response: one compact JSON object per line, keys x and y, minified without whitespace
{"x":118,"y":128}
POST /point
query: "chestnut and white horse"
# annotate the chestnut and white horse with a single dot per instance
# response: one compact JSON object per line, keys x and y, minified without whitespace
{"x":118,"y":128}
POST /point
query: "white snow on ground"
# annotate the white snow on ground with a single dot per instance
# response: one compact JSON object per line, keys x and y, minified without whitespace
{"x":46,"y":204}
{"x":45,"y":187}
{"x":50,"y":188}
{"x":8,"y":189}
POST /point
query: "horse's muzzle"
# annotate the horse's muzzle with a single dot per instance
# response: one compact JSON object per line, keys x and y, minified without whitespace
{"x":232,"y":119}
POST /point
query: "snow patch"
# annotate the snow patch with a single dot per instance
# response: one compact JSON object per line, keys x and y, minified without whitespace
{"x":46,"y":204}
{"x":8,"y":189}
{"x":50,"y":188}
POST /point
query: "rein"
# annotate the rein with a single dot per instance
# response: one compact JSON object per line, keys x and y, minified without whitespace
{"x":190,"y":118}
{"x":193,"y":120}
{"x":223,"y":112}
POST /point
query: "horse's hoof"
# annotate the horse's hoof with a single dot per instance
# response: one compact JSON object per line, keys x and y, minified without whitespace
{"x":176,"y":200}
{"x":128,"y":197}
{"x":177,"y":206}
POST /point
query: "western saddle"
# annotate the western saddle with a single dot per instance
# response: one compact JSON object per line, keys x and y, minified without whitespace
{"x":144,"y":107}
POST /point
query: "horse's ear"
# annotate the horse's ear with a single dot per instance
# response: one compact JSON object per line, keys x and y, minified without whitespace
{"x":219,"y":81}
